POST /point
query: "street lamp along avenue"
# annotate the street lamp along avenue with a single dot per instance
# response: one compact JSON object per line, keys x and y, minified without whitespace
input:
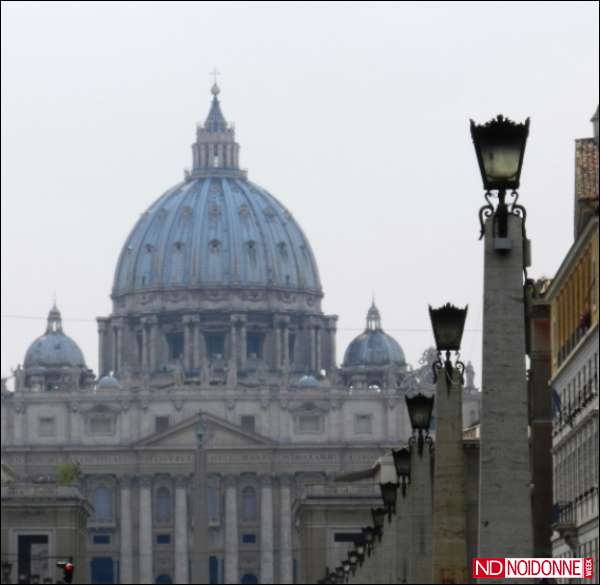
{"x":500,"y":147}
{"x":402,"y":463}
{"x":420,"y":408}
{"x":448,"y":324}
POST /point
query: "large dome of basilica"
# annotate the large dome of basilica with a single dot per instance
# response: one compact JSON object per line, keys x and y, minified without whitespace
{"x":216,"y":229}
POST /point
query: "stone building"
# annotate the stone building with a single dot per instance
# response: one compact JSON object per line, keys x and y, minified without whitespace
{"x":216,"y":318}
{"x":42,"y":522}
{"x":573,"y":299}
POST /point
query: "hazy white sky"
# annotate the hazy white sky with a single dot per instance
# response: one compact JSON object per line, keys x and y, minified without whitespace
{"x":355,"y":115}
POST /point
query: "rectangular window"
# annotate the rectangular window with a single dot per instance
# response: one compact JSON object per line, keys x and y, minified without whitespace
{"x":363,"y":424}
{"x":309,"y":423}
{"x":161,"y":423}
{"x":101,"y":539}
{"x":163,"y":539}
{"x":254,"y":345}
{"x":248,"y":538}
{"x":248,"y":423}
{"x":101,"y":425}
{"x":215,"y":345}
{"x":213,"y":570}
{"x":175,"y":343}
{"x":346,"y":537}
{"x":47,"y":426}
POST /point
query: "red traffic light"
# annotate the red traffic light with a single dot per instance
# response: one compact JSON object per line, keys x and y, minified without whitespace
{"x":68,"y":569}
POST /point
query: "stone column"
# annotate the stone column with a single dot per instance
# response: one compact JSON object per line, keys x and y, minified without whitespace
{"x":126,"y":535}
{"x":332,"y":332}
{"x":311,"y":347}
{"x":318,"y":360}
{"x":286,"y":343}
{"x":266,"y":530}
{"x":420,"y":503}
{"x":243,"y":347}
{"x":102,"y":370}
{"x":145,"y":344}
{"x":231,"y":530}
{"x":146,"y":574}
{"x":181,"y":531}
{"x":188,"y":342}
{"x":449,"y":546}
{"x":504,"y":491}
{"x":233,"y":342}
{"x":153,"y":357}
{"x":118,"y":345}
{"x":286,"y":574}
{"x":199,"y":343}
{"x":277,"y":345}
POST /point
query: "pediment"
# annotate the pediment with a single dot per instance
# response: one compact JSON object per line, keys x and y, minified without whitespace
{"x":220,"y":434}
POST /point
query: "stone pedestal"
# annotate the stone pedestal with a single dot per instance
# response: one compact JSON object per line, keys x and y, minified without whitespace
{"x":449,"y":520}
{"x":419,"y":496}
{"x":504,"y":498}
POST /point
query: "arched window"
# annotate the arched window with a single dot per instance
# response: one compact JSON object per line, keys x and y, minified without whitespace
{"x":163,"y":505}
{"x":103,"y":503}
{"x":248,"y":504}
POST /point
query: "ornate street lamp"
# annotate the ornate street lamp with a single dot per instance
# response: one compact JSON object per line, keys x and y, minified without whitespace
{"x":378,"y":515}
{"x":448,"y":324}
{"x":420,"y":408}
{"x":389,"y":493}
{"x":353,"y":558}
{"x":402,"y":464}
{"x":369,"y":537}
{"x":347,"y":568}
{"x":500,"y":147}
{"x":359,"y":544}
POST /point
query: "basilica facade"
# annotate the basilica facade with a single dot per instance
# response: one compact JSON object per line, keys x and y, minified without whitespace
{"x":216,"y":325}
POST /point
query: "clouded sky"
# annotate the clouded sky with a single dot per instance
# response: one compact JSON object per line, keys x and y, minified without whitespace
{"x":355,"y":115}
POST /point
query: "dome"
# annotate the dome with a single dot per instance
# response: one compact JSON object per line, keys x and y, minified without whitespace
{"x":308,"y":381}
{"x":216,"y":229}
{"x":374,"y":347}
{"x":54,"y":348}
{"x":107,"y":382}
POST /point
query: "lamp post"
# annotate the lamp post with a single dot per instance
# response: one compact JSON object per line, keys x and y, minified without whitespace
{"x":504,"y":489}
{"x":420,"y":408}
{"x":500,"y":147}
{"x":449,"y":545}
{"x":402,"y":463}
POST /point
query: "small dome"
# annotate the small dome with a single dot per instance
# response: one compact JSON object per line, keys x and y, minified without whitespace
{"x":374,"y":347}
{"x":108,"y":381}
{"x":54,"y":348}
{"x":308,"y":381}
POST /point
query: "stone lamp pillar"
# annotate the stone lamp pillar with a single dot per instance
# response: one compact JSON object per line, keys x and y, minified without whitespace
{"x":505,"y":528}
{"x":449,"y":521}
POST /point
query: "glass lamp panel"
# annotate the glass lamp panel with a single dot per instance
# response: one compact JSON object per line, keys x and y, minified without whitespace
{"x":501,"y":163}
